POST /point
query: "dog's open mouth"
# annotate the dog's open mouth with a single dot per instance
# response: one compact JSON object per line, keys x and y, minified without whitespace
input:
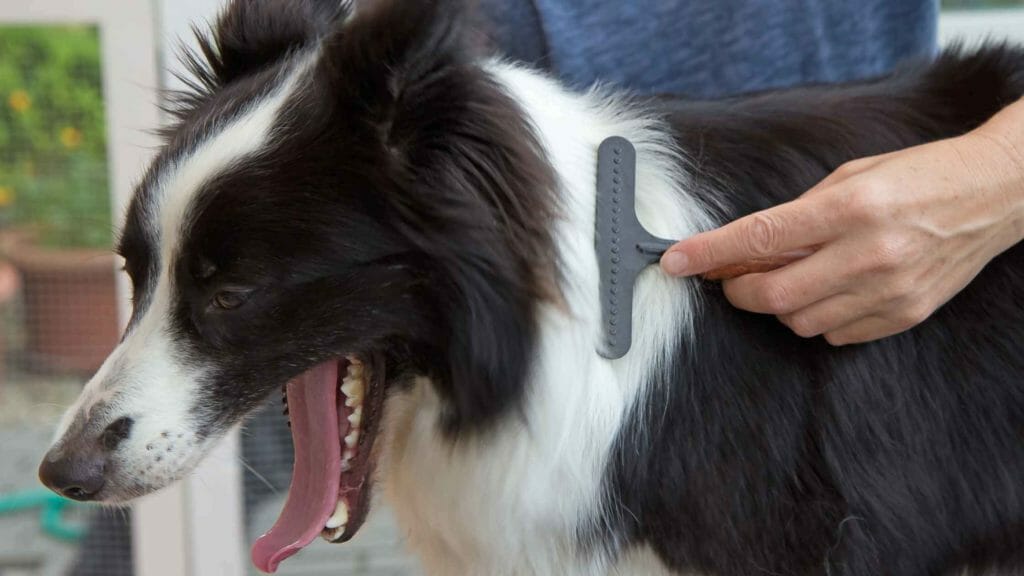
{"x":334,"y":409}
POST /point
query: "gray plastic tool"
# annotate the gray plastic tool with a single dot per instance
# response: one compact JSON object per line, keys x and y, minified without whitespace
{"x":624,"y":247}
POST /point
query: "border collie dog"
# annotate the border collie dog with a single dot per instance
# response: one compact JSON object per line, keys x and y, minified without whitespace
{"x":356,"y":206}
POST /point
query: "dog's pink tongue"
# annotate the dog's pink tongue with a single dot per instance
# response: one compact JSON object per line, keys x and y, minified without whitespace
{"x":312,"y":405}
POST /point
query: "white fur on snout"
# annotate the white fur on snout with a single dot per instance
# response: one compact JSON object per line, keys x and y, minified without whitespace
{"x":150,"y":377}
{"x":159,"y":393}
{"x":144,"y":379}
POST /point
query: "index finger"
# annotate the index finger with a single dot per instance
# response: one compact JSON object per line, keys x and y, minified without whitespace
{"x":802,"y":223}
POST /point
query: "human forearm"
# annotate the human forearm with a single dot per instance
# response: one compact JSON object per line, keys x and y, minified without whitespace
{"x":1006,"y":131}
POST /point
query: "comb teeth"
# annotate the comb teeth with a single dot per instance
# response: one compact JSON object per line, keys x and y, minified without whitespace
{"x":624,"y":248}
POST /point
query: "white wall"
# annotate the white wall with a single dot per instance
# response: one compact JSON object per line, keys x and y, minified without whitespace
{"x":972,"y":26}
{"x":176,"y":20}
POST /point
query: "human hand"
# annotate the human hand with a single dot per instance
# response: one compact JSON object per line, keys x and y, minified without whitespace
{"x":892,"y":238}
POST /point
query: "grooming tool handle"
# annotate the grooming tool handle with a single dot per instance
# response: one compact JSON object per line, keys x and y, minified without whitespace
{"x":624,"y":248}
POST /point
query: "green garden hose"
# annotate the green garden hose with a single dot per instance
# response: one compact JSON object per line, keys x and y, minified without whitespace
{"x":51,"y":512}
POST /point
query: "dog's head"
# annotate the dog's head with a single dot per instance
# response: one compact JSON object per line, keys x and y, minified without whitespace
{"x":346,"y":200}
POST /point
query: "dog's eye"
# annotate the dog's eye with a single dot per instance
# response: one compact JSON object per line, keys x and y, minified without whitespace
{"x":230,"y":299}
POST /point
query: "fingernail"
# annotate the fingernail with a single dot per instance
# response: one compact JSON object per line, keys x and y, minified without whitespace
{"x":674,"y":263}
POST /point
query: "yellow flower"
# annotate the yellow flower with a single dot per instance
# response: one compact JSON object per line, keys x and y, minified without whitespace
{"x":6,"y":196}
{"x":70,"y":137}
{"x":19,"y":101}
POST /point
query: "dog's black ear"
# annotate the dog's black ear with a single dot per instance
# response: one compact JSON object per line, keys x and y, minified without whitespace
{"x":491,"y":332}
{"x":250,"y":35}
{"x":388,"y":49}
{"x":460,"y":172}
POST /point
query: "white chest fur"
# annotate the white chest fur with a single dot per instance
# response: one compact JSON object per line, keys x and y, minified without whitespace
{"x":515,"y":500}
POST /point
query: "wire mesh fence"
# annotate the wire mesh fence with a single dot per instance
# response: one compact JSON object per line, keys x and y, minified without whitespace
{"x":58,"y":316}
{"x":58,"y":321}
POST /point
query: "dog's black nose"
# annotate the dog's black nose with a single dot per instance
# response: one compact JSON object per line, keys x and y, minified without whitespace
{"x":75,"y":475}
{"x":76,"y":468}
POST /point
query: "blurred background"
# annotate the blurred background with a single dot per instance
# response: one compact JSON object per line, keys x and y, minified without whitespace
{"x":78,"y":96}
{"x":79,"y":87}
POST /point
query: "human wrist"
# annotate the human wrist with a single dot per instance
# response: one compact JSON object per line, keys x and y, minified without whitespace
{"x":1005,"y":131}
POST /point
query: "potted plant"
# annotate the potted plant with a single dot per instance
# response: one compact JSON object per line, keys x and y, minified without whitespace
{"x":53,"y":167}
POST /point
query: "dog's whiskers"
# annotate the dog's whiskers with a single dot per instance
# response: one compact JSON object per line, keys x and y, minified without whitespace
{"x":260,"y":477}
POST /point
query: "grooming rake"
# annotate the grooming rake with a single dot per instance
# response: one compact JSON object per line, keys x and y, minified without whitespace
{"x":624,"y":247}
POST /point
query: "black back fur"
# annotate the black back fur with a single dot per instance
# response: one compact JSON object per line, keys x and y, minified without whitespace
{"x":780,"y":455}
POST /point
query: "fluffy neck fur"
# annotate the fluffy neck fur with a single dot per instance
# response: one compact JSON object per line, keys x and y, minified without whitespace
{"x":520,"y":499}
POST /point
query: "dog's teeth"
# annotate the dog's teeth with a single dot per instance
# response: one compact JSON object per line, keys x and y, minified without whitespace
{"x":340,"y":517}
{"x":334,"y":528}
{"x":356,"y":417}
{"x":353,"y":390}
{"x":347,"y":457}
{"x":352,"y":386}
{"x":333,"y":535}
{"x":355,"y":370}
{"x":352,"y":439}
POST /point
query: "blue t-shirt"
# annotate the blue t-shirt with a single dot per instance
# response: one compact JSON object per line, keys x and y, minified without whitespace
{"x":709,"y":48}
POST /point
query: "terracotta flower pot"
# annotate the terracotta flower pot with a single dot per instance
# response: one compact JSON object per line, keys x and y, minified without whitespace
{"x":9,"y":284}
{"x":70,"y":304}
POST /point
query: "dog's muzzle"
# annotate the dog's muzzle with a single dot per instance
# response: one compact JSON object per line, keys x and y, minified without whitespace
{"x":76,"y":467}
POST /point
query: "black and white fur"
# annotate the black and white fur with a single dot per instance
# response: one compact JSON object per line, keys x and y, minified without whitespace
{"x":362,"y":181}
